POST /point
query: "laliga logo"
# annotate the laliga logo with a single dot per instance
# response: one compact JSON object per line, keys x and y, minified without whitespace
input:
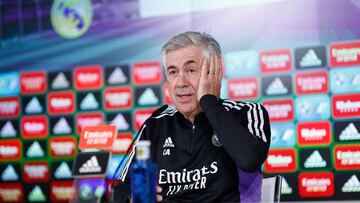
{"x":71,"y":19}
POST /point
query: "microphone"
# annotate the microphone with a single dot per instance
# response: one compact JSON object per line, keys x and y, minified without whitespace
{"x":129,"y":149}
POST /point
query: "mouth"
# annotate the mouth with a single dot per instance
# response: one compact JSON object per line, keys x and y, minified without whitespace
{"x":184,"y":97}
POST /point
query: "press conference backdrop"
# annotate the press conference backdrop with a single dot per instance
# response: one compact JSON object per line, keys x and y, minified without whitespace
{"x":69,"y":64}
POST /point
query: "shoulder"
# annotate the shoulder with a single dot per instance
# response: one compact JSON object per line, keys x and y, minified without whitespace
{"x":164,"y":111}
{"x":231,"y":105}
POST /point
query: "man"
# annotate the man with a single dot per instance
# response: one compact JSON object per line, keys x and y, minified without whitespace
{"x":201,"y":143}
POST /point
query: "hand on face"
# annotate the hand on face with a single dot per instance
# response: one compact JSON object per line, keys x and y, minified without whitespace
{"x":210,"y":76}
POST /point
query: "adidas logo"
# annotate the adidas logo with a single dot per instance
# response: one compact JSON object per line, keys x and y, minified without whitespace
{"x":60,"y":82}
{"x":62,"y":127}
{"x":117,"y":77}
{"x":315,"y":160}
{"x":120,"y":122}
{"x":349,"y":133}
{"x":89,"y":102}
{"x":37,"y":195}
{"x":35,"y":150}
{"x":9,"y":174}
{"x":352,"y":185}
{"x":148,"y":97}
{"x":8,"y":130}
{"x":356,"y":80}
{"x":91,"y":166}
{"x":33,"y":106}
{"x":276,"y":87}
{"x":285,"y":188}
{"x":310,"y":59}
{"x":63,"y":171}
{"x":168,"y":143}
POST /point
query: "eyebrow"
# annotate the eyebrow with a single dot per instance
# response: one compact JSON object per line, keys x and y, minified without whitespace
{"x":186,"y":63}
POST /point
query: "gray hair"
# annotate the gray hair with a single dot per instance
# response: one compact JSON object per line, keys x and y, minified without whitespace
{"x":190,"y":38}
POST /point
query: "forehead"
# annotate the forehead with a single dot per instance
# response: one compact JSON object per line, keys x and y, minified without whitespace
{"x":183,"y":55}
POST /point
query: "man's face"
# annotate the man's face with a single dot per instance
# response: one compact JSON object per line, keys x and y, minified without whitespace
{"x":183,"y":67}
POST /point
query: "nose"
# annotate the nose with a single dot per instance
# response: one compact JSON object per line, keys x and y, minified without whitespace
{"x":182,"y":80}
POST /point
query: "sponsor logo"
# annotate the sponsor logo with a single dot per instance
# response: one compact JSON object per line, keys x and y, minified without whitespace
{"x":36,"y":172}
{"x":33,"y":105}
{"x":282,"y":135}
{"x":317,"y":184}
{"x":285,"y":187}
{"x":62,"y":170}
{"x":9,"y":84}
{"x":280,"y":160}
{"x":9,"y":107}
{"x":34,"y":126}
{"x":88,"y":101}
{"x":311,"y":83}
{"x":62,"y":146}
{"x":61,"y":102}
{"x":165,"y":93}
{"x":91,"y":188}
{"x":346,"y":106}
{"x":117,"y":75}
{"x":347,"y":131}
{"x":61,"y":125}
{"x":147,"y":96}
{"x":147,"y":73}
{"x":121,"y":120}
{"x":347,"y":185}
{"x":34,"y":149}
{"x":314,"y":133}
{"x":122,"y":143}
{"x":345,"y":80}
{"x":280,"y":110}
{"x":62,"y":191}
{"x":88,"y":77}
{"x":11,"y":192}
{"x":140,"y":116}
{"x":315,"y":107}
{"x":352,"y":185}
{"x":33,"y":82}
{"x":91,"y":164}
{"x":347,"y":157}
{"x":10,"y":172}
{"x":241,"y":63}
{"x":314,"y":158}
{"x":37,"y":193}
{"x":243,"y":88}
{"x":8,"y":128}
{"x":88,"y":119}
{"x":10,"y":150}
{"x":168,"y":142}
{"x":276,"y":85}
{"x":118,"y":98}
{"x":97,"y":137}
{"x":59,"y":80}
{"x":275,"y":61}
{"x":345,"y":54}
{"x":310,"y":57}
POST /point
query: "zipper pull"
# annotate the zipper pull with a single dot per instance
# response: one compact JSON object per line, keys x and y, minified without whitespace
{"x":193,"y":128}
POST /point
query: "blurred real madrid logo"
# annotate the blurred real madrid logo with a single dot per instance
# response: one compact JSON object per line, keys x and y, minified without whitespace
{"x":71,"y":18}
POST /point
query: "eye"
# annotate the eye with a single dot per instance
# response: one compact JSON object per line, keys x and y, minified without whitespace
{"x":172,"y":72}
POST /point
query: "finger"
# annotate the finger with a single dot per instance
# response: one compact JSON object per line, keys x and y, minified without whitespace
{"x":217,"y":64}
{"x":158,"y":189}
{"x":204,"y":68}
{"x":159,"y":198}
{"x":212,"y":66}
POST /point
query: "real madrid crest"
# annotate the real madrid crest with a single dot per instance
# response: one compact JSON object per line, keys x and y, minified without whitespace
{"x":215,"y":140}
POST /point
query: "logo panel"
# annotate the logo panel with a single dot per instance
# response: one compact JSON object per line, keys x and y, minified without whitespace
{"x":347,"y":157}
{"x":243,"y":88}
{"x":34,"y":126}
{"x":97,"y":137}
{"x":241,"y":64}
{"x":346,"y":106}
{"x":61,"y":170}
{"x":91,"y":164}
{"x":316,"y":184}
{"x":117,"y":75}
{"x":347,"y":186}
{"x":147,"y":73}
{"x":345,"y":80}
{"x":311,"y":82}
{"x":117,"y":98}
{"x":10,"y":84}
{"x":38,"y":192}
{"x":275,"y":61}
{"x":280,"y":110}
{"x":315,"y":107}
{"x":9,"y":107}
{"x":33,"y":104}
{"x":88,"y":101}
{"x":35,"y":149}
{"x":282,"y":135}
{"x":62,"y":146}
{"x":11,"y":192}
{"x":88,"y":77}
{"x":345,"y":54}
{"x":315,"y":158}
{"x":10,"y":172}
{"x":88,"y":119}
{"x":33,"y":82}
{"x":36,"y":172}
{"x":276,"y":85}
{"x":147,"y":96}
{"x":61,"y":102}
{"x":9,"y":128}
{"x":280,"y":160}
{"x":121,"y":120}
{"x":140,"y":116}
{"x":347,"y":131}
{"x":10,"y":150}
{"x":314,"y":133}
{"x":59,"y":80}
{"x":165,"y":93}
{"x":61,"y":191}
{"x":310,"y":57}
{"x":289,"y":187}
{"x":122,"y":143}
{"x":63,"y":125}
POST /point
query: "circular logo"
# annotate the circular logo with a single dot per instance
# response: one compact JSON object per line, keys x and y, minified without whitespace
{"x":215,"y":140}
{"x":71,"y":19}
